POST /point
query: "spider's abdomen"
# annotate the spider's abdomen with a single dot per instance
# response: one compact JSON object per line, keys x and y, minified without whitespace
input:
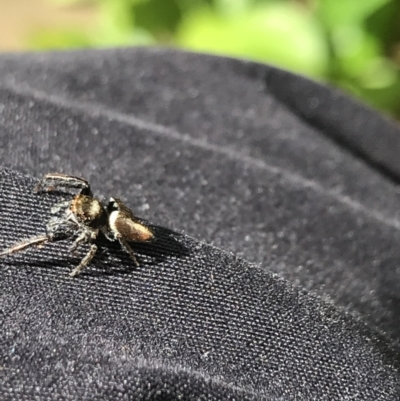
{"x":89,"y":211}
{"x":130,"y":230}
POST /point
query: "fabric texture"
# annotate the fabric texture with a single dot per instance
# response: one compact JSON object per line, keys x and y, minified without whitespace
{"x":275,"y":205}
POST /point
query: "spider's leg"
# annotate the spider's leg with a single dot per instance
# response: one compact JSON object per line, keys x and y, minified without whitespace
{"x":63,"y":183}
{"x":85,"y":261}
{"x":107,"y":233}
{"x":20,"y":246}
{"x":57,"y":229}
{"x":128,"y":249}
{"x":79,"y":240}
{"x":84,"y":237}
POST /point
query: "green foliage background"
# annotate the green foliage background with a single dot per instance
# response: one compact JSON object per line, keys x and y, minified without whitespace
{"x":354,"y":44}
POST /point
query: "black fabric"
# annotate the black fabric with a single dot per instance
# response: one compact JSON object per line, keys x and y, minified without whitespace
{"x":275,"y":273}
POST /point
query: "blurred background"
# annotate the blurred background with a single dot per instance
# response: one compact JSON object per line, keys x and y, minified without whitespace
{"x":352,"y":44}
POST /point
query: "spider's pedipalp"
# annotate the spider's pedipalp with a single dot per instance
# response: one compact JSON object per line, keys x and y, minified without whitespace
{"x":59,"y":228}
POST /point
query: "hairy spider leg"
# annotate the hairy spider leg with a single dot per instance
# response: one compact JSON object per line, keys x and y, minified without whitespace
{"x":86,"y":235}
{"x":63,"y":183}
{"x":57,"y":229}
{"x":87,"y":259}
{"x":83,"y":238}
{"x":20,"y":246}
{"x":129,"y":250}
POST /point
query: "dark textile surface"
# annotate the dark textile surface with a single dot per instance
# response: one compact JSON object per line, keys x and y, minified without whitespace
{"x":275,"y":273}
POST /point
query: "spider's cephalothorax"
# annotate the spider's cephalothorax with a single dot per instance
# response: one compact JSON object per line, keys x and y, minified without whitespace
{"x":84,"y":217}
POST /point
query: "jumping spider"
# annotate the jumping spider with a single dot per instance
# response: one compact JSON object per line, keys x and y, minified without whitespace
{"x":84,"y":217}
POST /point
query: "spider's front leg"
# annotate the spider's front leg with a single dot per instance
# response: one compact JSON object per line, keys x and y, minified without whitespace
{"x":84,"y":236}
{"x":64,"y":183}
{"x":21,"y":246}
{"x":57,"y":229}
{"x":88,"y":236}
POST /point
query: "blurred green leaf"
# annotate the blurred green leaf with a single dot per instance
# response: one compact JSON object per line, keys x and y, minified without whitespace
{"x":346,"y":12}
{"x":386,"y":98}
{"x":379,"y":73}
{"x":59,"y":39}
{"x":232,"y":7}
{"x":117,"y":15}
{"x":354,"y":49}
{"x":278,"y":32}
{"x":158,"y":16}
